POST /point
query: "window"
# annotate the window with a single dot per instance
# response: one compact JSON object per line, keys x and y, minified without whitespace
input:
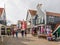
{"x":2,"y":30}
{"x":51,"y":19}
{"x":57,"y":19}
{"x":37,"y":21}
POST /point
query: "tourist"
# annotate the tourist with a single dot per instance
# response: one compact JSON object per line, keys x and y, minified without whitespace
{"x":8,"y":32}
{"x":16,"y":33}
{"x":13,"y":32}
{"x":48,"y":33}
{"x":25,"y":33}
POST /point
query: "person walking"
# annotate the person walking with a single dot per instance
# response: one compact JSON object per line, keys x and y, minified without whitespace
{"x":48,"y":33}
{"x":42,"y":30}
{"x":17,"y":33}
{"x":22,"y":33}
{"x":13,"y":32}
{"x":25,"y":33}
{"x":23,"y":27}
{"x":8,"y":32}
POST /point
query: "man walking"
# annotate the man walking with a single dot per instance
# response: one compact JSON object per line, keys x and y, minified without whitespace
{"x":13,"y":32}
{"x":17,"y":33}
{"x":25,"y":33}
{"x":23,"y":28}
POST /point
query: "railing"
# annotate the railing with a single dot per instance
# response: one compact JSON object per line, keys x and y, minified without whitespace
{"x":56,"y":29}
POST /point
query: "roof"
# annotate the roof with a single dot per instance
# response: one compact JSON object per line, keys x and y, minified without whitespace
{"x":53,"y":14}
{"x":1,"y":11}
{"x":13,"y":24}
{"x":19,"y":20}
{"x":33,"y":12}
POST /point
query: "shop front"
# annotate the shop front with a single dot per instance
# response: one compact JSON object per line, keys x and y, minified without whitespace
{"x":2,"y":30}
{"x":42,"y":30}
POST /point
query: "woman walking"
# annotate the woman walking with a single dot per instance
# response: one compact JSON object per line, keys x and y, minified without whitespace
{"x":13,"y":32}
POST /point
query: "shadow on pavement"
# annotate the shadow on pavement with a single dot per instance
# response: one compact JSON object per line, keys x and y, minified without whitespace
{"x":16,"y":41}
{"x":26,"y":39}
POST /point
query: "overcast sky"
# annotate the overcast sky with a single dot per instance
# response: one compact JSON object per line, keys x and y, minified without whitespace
{"x":17,"y":9}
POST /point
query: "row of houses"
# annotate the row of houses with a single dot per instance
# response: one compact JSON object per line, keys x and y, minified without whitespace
{"x":40,"y":17}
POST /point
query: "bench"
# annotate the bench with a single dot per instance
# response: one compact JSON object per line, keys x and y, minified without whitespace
{"x":42,"y":36}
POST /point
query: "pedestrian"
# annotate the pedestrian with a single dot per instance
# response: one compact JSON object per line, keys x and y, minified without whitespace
{"x":42,"y":30}
{"x":13,"y":32}
{"x":16,"y":33}
{"x":48,"y":33}
{"x":25,"y":33}
{"x":23,"y":27}
{"x":22,"y":33}
{"x":8,"y":32}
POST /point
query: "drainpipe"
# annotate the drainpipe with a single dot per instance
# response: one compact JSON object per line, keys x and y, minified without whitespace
{"x":45,"y":18}
{"x":45,"y":21}
{"x":31,"y":26}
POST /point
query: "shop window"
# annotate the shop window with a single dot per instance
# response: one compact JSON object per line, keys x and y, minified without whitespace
{"x":2,"y":30}
{"x":34,"y":21}
{"x":51,"y":19}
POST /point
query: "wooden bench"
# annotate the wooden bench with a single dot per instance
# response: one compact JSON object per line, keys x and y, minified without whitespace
{"x":42,"y":36}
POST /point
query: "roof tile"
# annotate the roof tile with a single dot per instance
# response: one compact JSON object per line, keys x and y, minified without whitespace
{"x":1,"y":11}
{"x":33,"y":12}
{"x":53,"y":14}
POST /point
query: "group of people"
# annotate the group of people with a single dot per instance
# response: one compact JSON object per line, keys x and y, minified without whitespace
{"x":46,"y":31}
{"x":12,"y":32}
{"x":23,"y":30}
{"x":23,"y":33}
{"x":15,"y":32}
{"x":49,"y":33}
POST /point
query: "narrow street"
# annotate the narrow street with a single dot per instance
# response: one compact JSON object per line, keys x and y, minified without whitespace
{"x":29,"y":40}
{"x":38,"y":19}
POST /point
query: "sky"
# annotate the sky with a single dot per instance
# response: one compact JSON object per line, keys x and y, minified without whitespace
{"x":17,"y":9}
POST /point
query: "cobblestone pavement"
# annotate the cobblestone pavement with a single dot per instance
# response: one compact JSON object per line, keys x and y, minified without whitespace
{"x":29,"y":40}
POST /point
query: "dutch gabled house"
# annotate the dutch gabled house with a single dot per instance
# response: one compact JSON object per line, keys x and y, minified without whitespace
{"x":31,"y":17}
{"x":2,"y":16}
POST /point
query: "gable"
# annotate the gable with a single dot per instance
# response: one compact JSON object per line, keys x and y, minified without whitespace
{"x":33,"y":12}
{"x":1,"y":11}
{"x":28,"y":17}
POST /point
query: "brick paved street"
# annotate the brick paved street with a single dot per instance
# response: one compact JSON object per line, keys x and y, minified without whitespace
{"x":29,"y":40}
